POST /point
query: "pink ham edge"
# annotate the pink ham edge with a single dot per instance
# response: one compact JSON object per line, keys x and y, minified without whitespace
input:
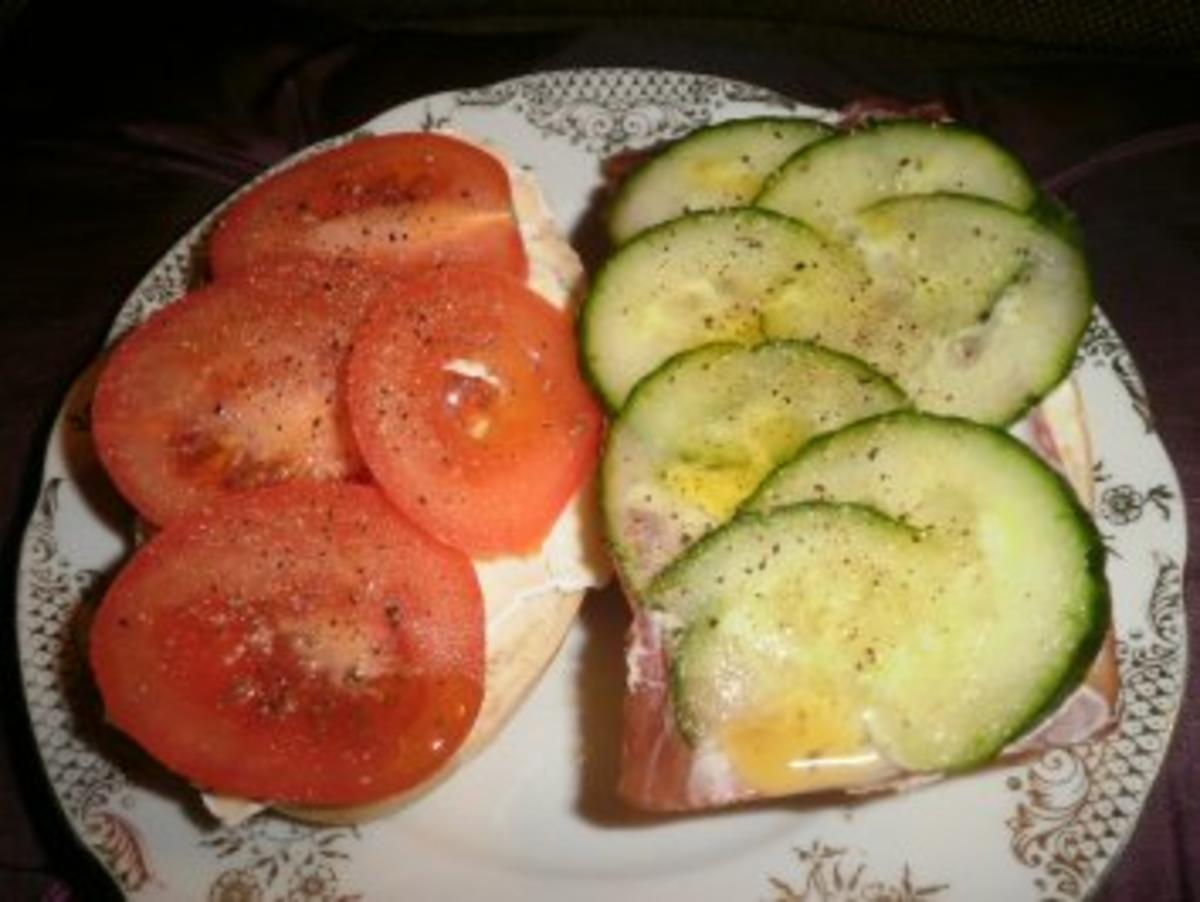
{"x":659,"y":770}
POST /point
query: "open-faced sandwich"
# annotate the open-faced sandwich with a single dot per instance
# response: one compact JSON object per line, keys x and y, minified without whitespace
{"x":363,"y":454}
{"x":846,"y":573}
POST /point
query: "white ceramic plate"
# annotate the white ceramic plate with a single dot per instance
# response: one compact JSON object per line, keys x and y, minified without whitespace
{"x":535,"y":817}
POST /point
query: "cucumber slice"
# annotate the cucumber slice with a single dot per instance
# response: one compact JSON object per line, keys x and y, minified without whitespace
{"x":697,"y":436}
{"x":826,"y":183}
{"x":975,"y":310}
{"x":1024,"y":602}
{"x":698,"y":279}
{"x":781,"y":620}
{"x":719,"y":166}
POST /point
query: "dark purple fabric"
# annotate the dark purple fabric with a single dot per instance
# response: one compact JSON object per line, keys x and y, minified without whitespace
{"x":119,"y":131}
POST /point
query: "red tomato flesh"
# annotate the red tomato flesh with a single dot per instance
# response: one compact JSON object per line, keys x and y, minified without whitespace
{"x":469,"y":410}
{"x":234,"y":386}
{"x":300,"y":644}
{"x":402,"y":201}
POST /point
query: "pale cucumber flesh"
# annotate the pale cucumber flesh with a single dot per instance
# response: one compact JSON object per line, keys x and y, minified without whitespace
{"x":975,"y":310}
{"x":699,"y":279}
{"x":715,"y":167}
{"x":698,"y":435}
{"x":827,"y":183}
{"x":1026,"y":603}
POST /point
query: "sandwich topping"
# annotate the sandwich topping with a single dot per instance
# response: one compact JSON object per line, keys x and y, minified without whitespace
{"x":402,"y":202}
{"x":828,"y":595}
{"x":484,"y":459}
{"x":303,"y":643}
{"x":288,"y":602}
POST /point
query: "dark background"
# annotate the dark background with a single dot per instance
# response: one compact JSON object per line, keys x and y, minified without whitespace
{"x":121,"y":125}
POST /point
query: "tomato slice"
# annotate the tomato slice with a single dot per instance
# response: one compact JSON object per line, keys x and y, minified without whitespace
{"x":234,"y":386}
{"x":469,"y":409}
{"x":300,"y":644}
{"x":401,"y":201}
